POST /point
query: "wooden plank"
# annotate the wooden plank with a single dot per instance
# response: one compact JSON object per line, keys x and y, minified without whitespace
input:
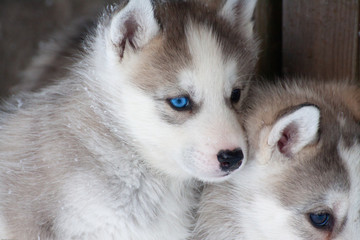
{"x":320,"y":38}
{"x":358,"y":46}
{"x":268,"y":29}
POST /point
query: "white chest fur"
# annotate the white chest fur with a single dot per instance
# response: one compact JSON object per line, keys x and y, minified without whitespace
{"x":154,"y":210}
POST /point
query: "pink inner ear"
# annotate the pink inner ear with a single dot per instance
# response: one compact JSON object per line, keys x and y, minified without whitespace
{"x":287,"y":139}
{"x":283,"y":142}
{"x":131,"y":27}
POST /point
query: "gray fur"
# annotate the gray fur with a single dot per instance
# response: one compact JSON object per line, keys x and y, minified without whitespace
{"x":318,"y":178}
{"x":71,"y":167}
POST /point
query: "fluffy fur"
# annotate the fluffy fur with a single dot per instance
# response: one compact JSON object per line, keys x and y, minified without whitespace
{"x":100,"y":153}
{"x":304,"y":159}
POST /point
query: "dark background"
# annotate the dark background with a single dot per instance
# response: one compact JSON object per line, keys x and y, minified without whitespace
{"x":24,"y":24}
{"x":318,"y":38}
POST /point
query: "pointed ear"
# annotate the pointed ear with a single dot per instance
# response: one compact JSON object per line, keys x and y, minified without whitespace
{"x":294,"y":131}
{"x":240,"y":13}
{"x":133,"y":26}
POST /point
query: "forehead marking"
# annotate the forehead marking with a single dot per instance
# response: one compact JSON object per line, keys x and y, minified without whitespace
{"x":211,"y":68}
{"x":351,"y":158}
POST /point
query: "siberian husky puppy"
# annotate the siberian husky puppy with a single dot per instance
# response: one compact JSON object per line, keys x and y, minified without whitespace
{"x":302,"y":179}
{"x":114,"y":149}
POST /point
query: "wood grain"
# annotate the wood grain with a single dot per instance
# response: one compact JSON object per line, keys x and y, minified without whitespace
{"x":320,"y":38}
{"x":358,"y":46}
{"x":268,"y":29}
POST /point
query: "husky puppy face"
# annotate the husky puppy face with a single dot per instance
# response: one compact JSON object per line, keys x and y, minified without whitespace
{"x":178,"y":75}
{"x":302,"y":181}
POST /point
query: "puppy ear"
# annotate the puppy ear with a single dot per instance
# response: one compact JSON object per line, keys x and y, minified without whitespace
{"x":133,"y":26}
{"x":240,"y":13}
{"x":294,"y":131}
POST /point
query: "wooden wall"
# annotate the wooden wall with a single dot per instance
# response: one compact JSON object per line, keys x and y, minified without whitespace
{"x":268,"y":20}
{"x":318,"y":38}
{"x":321,"y":38}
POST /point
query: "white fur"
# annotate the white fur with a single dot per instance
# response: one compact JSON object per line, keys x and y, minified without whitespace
{"x":3,"y":229}
{"x":267,"y":220}
{"x":91,"y":158}
{"x":350,"y":206}
{"x":252,"y":211}
{"x":98,"y":221}
{"x":218,"y":128}
{"x":221,"y":132}
{"x":305,"y":120}
{"x":140,"y":11}
{"x":274,"y":199}
{"x":247,"y":10}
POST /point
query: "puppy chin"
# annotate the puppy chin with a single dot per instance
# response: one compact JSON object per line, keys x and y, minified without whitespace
{"x":217,"y":175}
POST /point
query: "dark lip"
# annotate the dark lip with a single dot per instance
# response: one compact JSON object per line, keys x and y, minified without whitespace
{"x":238,"y":165}
{"x":234,"y":168}
{"x":230,"y":171}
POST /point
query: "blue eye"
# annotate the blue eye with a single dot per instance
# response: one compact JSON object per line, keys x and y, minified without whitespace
{"x":321,"y":220}
{"x":179,"y":103}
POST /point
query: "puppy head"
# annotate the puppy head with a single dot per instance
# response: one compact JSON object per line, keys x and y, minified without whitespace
{"x":307,"y":176}
{"x":177,"y":73}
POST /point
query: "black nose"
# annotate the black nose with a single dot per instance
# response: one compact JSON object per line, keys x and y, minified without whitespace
{"x":230,"y":160}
